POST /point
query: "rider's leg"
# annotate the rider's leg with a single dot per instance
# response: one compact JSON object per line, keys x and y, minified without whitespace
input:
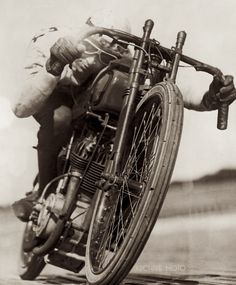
{"x":50,"y":140}
{"x":55,"y":129}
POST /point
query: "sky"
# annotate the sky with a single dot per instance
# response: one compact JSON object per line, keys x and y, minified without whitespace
{"x":210,"y":27}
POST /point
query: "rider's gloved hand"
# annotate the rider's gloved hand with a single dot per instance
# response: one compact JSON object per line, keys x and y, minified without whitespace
{"x":219,"y":92}
{"x":84,"y":68}
{"x":64,"y":51}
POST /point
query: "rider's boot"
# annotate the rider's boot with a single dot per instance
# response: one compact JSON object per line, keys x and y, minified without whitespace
{"x":47,"y":164}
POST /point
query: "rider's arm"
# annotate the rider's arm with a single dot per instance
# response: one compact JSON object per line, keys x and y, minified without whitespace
{"x":34,"y":93}
{"x":36,"y":83}
{"x":195,"y":104}
{"x":43,"y":71}
{"x":218,"y":93}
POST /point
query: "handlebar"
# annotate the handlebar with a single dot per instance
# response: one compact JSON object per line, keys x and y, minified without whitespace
{"x":167,"y":54}
{"x":222,"y":118}
{"x":223,"y":112}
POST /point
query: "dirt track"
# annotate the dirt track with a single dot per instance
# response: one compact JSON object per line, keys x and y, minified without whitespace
{"x":189,"y":250}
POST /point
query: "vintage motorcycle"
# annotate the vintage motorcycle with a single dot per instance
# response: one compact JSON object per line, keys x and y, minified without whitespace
{"x":114,"y":174}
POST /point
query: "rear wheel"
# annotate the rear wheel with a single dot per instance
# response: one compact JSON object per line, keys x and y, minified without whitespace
{"x":30,"y":265}
{"x":125,"y":215}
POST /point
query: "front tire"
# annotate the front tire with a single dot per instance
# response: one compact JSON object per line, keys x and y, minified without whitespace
{"x":124,"y":218}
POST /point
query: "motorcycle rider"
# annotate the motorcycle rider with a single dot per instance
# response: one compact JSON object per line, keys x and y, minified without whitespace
{"x":57,"y":69}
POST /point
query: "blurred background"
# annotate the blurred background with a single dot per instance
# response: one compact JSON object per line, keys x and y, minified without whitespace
{"x":211,"y":30}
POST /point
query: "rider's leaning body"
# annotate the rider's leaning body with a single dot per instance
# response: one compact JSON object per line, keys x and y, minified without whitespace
{"x":55,"y":68}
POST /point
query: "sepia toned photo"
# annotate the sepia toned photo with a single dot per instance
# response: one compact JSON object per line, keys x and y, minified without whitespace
{"x":117,"y":142}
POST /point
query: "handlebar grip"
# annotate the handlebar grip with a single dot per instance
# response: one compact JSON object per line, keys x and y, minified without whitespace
{"x":222,"y":118}
{"x":148,"y":26}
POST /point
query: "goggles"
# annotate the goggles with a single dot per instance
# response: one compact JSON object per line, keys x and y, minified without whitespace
{"x":93,"y":49}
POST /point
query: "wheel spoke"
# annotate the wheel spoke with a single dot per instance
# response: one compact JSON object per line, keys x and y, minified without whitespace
{"x":134,"y":158}
{"x":137,"y":168}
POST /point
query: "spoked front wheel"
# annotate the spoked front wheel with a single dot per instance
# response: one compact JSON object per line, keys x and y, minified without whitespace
{"x":125,"y":214}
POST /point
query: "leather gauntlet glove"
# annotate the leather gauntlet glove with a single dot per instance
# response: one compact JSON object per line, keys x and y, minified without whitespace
{"x":63,"y":52}
{"x":219,"y":92}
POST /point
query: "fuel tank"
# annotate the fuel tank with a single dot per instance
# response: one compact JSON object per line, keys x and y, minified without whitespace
{"x":108,"y":92}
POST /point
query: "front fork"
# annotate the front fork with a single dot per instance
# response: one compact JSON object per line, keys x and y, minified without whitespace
{"x":129,"y":103}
